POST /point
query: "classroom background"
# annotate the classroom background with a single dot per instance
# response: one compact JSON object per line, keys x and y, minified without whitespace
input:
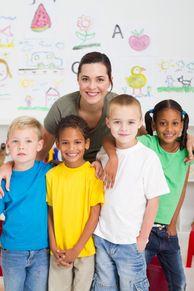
{"x":41,"y":43}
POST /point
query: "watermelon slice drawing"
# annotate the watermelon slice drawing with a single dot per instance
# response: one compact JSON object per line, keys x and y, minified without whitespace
{"x":41,"y":20}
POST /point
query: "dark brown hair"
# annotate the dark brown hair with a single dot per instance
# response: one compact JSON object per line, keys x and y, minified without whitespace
{"x":97,"y":57}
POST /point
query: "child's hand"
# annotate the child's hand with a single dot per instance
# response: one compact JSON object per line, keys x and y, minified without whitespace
{"x":60,"y":257}
{"x":5,"y":173}
{"x":141,"y":243}
{"x":110,"y":171}
{"x":99,"y":169}
{"x":171,"y":230}
{"x":70,"y":256}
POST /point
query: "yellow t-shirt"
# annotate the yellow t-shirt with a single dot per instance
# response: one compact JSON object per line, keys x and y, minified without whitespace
{"x":71,"y":192}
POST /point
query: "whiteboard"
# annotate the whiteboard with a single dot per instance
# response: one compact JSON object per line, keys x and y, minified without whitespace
{"x":41,"y":43}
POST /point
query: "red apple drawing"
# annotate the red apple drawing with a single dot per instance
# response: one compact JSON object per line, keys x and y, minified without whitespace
{"x":139,"y":41}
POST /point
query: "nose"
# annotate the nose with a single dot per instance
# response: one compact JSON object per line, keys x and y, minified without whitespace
{"x":92,"y":84}
{"x":123,"y":127}
{"x":169,"y":127}
{"x":71,"y":146}
{"x":20,"y":146}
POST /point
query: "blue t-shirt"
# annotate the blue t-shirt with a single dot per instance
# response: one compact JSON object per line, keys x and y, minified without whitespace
{"x":25,"y":210}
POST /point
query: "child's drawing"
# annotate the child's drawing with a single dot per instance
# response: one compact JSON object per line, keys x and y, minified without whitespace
{"x":177,"y":76}
{"x":137,"y":80}
{"x":51,"y":96}
{"x":184,"y":82}
{"x":139,"y":41}
{"x":84,"y":24}
{"x":6,"y":32}
{"x":4,"y":70}
{"x":41,"y":20}
{"x":45,"y":60}
{"x":41,"y":55}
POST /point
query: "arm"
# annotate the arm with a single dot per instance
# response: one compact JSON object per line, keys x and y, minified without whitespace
{"x":5,"y":173}
{"x":110,"y":169}
{"x":190,"y":147}
{"x":59,"y":255}
{"x":49,"y":140}
{"x":98,"y":168}
{"x":148,"y":220}
{"x":71,"y":254}
{"x":142,"y":131}
{"x":172,"y":226}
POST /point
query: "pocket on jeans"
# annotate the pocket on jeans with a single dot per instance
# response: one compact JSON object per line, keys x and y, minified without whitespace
{"x":141,"y":286}
{"x":173,"y":243}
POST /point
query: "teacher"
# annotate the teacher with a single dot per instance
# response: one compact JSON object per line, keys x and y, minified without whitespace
{"x":90,"y":102}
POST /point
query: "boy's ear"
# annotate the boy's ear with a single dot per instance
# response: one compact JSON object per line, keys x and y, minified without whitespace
{"x":40,"y":145}
{"x":87,"y":144}
{"x":140,"y":123}
{"x":7,"y":147}
{"x":107,"y":122}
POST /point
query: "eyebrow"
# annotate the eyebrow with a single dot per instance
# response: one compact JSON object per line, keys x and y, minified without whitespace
{"x":101,"y":76}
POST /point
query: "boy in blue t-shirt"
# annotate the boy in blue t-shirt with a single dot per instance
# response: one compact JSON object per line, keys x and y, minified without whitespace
{"x":24,"y":239}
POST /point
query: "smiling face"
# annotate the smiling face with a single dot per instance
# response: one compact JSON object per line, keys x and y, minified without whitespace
{"x":23,"y":145}
{"x":124,"y":122}
{"x":72,"y":145}
{"x":94,"y":83}
{"x":168,"y":126}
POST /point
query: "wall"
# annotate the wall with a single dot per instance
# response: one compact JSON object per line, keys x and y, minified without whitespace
{"x":41,"y":43}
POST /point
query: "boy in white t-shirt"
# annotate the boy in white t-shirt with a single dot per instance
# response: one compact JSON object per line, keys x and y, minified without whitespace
{"x":130,"y":206}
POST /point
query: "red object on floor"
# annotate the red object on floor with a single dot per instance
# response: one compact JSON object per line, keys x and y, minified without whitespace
{"x":190,"y":251}
{"x":156,"y":276}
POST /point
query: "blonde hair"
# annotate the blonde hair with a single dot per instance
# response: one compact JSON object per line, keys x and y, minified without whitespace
{"x":125,"y":100}
{"x":24,"y":122}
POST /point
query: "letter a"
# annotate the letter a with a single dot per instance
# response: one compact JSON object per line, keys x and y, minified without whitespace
{"x":117,"y":30}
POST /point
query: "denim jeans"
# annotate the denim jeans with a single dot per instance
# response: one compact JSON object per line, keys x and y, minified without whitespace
{"x":168,"y":251}
{"x":119,"y":267}
{"x":25,"y":270}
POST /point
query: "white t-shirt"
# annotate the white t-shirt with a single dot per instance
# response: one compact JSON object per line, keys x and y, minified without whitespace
{"x":139,"y":177}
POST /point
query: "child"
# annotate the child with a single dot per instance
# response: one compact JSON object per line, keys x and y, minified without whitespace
{"x":74,"y":196}
{"x":170,"y":123}
{"x":130,"y":206}
{"x":25,"y":255}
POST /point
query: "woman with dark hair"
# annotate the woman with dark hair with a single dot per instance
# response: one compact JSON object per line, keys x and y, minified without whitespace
{"x":90,"y":102}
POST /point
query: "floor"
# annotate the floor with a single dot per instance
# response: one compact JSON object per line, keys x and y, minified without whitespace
{"x":183,"y":238}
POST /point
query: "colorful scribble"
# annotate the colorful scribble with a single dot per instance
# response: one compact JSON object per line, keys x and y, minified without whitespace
{"x":137,"y":80}
{"x":177,"y":76}
{"x":4,"y":70}
{"x":84,"y":24}
{"x":45,"y":60}
{"x":139,"y":41}
{"x":41,"y":20}
{"x":51,"y":96}
{"x":6,"y":37}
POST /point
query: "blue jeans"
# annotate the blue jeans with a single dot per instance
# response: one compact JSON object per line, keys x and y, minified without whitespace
{"x":118,"y":267}
{"x":168,"y":251}
{"x":25,"y":270}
